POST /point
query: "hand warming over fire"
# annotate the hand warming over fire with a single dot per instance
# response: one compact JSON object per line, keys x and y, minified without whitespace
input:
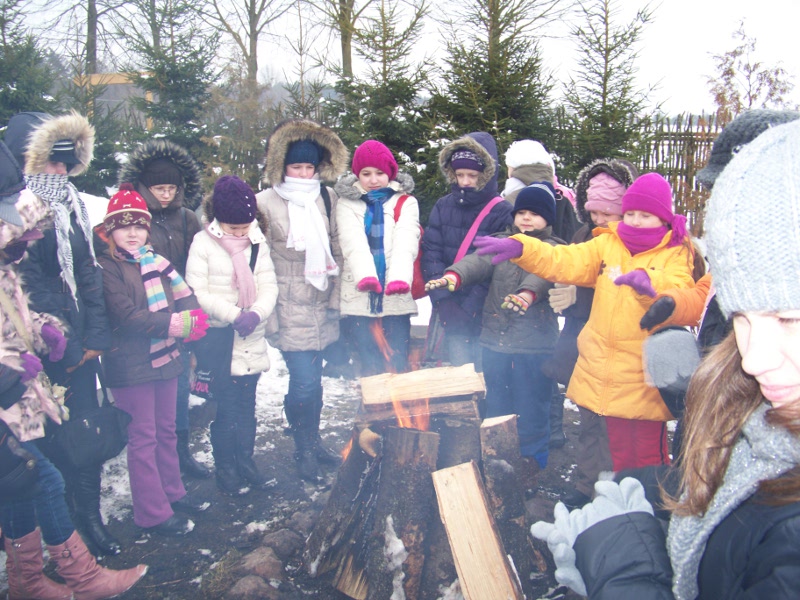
{"x":519,"y":302}
{"x":449,"y":280}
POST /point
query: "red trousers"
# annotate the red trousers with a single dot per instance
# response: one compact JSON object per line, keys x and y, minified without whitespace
{"x":635,"y":443}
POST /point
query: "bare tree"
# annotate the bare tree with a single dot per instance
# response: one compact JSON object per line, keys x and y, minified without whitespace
{"x":341,"y":17}
{"x":743,"y":82}
{"x":305,"y":86}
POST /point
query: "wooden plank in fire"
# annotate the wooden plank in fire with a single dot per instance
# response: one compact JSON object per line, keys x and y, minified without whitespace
{"x":484,"y":571}
{"x":431,"y":384}
{"x":466,"y":408}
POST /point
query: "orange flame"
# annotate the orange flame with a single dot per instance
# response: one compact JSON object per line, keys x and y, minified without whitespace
{"x":346,"y":450}
{"x":376,"y":329}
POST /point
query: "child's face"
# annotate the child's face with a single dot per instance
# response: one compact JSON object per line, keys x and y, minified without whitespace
{"x":164,"y":193}
{"x":130,"y":238}
{"x":639,"y":218}
{"x":238,"y":230}
{"x":371,"y":178}
{"x":301,"y":170}
{"x":527,"y":220}
{"x":467,"y":178}
{"x":601,"y":219}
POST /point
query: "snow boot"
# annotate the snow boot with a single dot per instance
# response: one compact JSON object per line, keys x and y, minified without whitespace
{"x":189,"y":466}
{"x":245,"y":465}
{"x":24,"y":563}
{"x":87,"y":579}
{"x":325,"y":455}
{"x":88,"y":521}
{"x":223,"y":444}
{"x":304,"y":427}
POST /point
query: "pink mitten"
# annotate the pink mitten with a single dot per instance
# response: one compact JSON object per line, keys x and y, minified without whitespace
{"x":639,"y":280}
{"x":55,"y":340}
{"x":397,"y":287}
{"x":199,"y":325}
{"x":369,"y":284}
{"x":502,"y":248}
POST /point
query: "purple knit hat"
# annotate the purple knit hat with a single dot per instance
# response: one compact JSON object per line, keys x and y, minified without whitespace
{"x":374,"y":154}
{"x":653,"y":194}
{"x":233,"y":201}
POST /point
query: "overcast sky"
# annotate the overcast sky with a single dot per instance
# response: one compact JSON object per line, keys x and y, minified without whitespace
{"x":678,"y":44}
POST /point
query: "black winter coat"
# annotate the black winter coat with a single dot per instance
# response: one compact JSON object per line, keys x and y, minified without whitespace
{"x":87,"y":322}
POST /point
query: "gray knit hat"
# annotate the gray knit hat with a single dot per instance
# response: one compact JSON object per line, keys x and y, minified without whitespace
{"x":738,"y":133}
{"x":742,"y":234}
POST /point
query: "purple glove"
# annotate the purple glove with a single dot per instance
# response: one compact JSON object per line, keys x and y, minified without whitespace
{"x":502,"y":248}
{"x":246,"y":323}
{"x":55,"y":340}
{"x":31,"y":367}
{"x":639,"y":280}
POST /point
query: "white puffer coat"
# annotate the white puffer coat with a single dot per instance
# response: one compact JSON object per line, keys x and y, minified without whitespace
{"x":400,"y":244}
{"x":209,"y":271}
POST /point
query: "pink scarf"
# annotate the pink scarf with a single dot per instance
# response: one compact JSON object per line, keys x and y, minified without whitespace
{"x":242,"y":275}
{"x":640,"y":239}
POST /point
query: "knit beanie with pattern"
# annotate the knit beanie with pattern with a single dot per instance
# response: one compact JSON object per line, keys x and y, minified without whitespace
{"x":464,"y":158}
{"x":374,"y":154}
{"x":126,"y":208}
{"x":741,"y":236}
{"x":233,"y":201}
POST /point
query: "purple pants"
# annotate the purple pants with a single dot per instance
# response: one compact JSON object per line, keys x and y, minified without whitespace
{"x":153,"y":468}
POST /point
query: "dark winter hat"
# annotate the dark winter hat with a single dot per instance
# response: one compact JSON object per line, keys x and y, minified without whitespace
{"x":303,"y":151}
{"x":20,"y":126}
{"x":374,"y":154}
{"x":538,"y":197}
{"x":738,"y":133}
{"x":161,"y":172}
{"x":125,"y":208}
{"x":466,"y":159}
{"x":738,"y":236}
{"x":11,"y":184}
{"x":233,"y":201}
{"x":64,"y":151}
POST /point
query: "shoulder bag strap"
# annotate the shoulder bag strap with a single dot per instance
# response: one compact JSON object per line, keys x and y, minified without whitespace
{"x":462,"y":250}
{"x":254,"y":256}
{"x":326,"y":198}
{"x":399,"y":206}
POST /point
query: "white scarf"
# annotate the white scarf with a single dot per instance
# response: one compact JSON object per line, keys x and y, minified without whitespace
{"x":512,"y":185}
{"x":307,"y":232}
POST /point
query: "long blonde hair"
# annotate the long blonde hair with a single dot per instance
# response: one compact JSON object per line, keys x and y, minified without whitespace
{"x":720,"y":399}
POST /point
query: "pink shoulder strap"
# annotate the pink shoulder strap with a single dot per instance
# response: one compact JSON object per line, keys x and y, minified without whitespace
{"x":462,"y":250}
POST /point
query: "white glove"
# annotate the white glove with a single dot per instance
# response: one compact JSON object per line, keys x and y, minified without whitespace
{"x":562,"y":296}
{"x":611,"y":499}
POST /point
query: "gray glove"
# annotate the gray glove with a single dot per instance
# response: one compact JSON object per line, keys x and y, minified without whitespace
{"x":611,"y":499}
{"x":669,"y":358}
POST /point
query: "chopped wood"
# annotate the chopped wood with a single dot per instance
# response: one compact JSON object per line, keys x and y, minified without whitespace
{"x":483,"y":568}
{"x":466,"y":407}
{"x":439,"y":382}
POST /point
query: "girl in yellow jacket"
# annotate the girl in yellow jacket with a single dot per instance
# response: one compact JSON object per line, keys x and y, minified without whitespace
{"x":647,"y":252}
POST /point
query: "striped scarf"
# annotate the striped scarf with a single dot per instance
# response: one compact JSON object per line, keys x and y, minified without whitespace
{"x":152,"y":266}
{"x":374,"y":228}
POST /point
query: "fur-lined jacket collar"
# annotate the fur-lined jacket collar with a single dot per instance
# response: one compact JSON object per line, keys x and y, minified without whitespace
{"x":189,"y":195}
{"x":334,"y":161}
{"x":73,"y":126}
{"x":32,"y":211}
{"x":480,"y":143}
{"x":347,"y":186}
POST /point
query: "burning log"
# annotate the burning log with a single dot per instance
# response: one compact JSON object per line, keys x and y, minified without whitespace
{"x":484,"y":572}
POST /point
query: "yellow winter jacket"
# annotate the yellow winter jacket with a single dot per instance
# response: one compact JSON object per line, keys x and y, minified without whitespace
{"x":608,"y":377}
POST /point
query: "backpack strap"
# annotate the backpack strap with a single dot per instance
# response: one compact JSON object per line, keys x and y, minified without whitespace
{"x":473,"y":230}
{"x":399,"y":206}
{"x":253,"y":256}
{"x":326,"y":198}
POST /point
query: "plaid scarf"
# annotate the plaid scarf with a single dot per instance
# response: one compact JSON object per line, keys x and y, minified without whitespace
{"x":152,"y":266}
{"x":373,"y":226}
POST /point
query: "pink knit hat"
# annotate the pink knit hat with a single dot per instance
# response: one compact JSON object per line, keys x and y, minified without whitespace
{"x":653,"y":194}
{"x":374,"y":154}
{"x":604,"y":194}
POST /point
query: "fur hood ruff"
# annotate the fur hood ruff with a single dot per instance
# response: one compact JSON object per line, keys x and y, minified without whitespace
{"x":73,"y":126}
{"x":335,"y":155}
{"x":469,"y":143}
{"x":346,"y":188}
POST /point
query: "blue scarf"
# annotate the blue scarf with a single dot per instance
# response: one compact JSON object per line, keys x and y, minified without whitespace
{"x":373,"y":226}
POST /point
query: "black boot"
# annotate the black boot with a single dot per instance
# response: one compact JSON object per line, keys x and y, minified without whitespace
{"x":223,"y":444}
{"x":302,"y":421}
{"x":86,"y":494}
{"x":245,"y":446}
{"x":557,"y":437}
{"x":189,"y":466}
{"x":325,"y":455}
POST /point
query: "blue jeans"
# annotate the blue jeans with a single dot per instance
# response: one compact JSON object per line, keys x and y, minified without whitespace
{"x":47,"y":507}
{"x":305,"y":377}
{"x":397,"y":332}
{"x":182,"y":407}
{"x":516,"y":385}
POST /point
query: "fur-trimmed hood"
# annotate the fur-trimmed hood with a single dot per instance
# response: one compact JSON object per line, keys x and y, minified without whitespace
{"x":622,"y":171}
{"x":32,"y":211}
{"x":208,"y":214}
{"x":42,"y":137}
{"x":480,"y":143}
{"x":346,"y":186}
{"x":335,"y":155}
{"x":189,"y":195}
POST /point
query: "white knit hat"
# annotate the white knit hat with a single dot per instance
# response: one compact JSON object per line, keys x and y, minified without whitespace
{"x":753,"y":225}
{"x":528,"y":152}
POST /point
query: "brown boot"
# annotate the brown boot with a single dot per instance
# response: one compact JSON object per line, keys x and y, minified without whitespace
{"x":24,"y":565}
{"x":87,"y":579}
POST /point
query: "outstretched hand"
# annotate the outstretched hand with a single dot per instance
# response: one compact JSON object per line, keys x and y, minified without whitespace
{"x":502,"y":249}
{"x":449,"y":280}
{"x":660,"y":311}
{"x":639,"y":280}
{"x":519,"y":303}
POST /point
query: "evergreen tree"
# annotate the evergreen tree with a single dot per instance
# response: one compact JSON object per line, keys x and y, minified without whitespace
{"x":602,"y":98}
